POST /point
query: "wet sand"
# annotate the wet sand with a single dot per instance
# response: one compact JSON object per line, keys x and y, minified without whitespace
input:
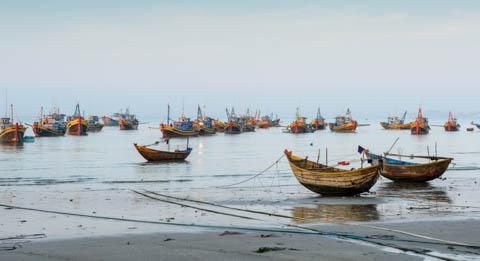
{"x":228,"y":245}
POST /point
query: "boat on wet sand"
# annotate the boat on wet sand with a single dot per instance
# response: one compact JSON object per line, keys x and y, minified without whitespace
{"x":329,"y":180}
{"x":153,"y":155}
{"x":344,"y":124}
{"x":396,"y":123}
{"x":406,"y":171}
{"x":76,"y":124}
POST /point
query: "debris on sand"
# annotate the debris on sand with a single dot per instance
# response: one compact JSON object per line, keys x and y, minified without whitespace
{"x":168,"y":239}
{"x":270,"y":249}
{"x":230,"y":233}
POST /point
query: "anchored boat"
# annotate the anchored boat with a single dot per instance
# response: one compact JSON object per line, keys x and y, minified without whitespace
{"x":114,"y":120}
{"x":153,"y":155}
{"x":401,"y":170}
{"x":329,"y":180}
{"x":205,"y":125}
{"x":396,"y":123}
{"x":219,"y":125}
{"x":11,"y":132}
{"x":128,"y":121}
{"x":299,"y":125}
{"x":234,"y":124}
{"x":420,"y":126}
{"x":344,"y":123}
{"x":319,"y":122}
{"x":76,"y":124}
{"x":451,"y":124}
{"x":94,"y":124}
{"x":52,"y":125}
{"x":182,"y":128}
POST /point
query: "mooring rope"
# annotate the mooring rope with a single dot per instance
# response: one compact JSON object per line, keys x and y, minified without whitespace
{"x":252,"y":177}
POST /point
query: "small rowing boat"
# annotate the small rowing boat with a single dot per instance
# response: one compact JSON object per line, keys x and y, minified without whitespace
{"x":329,"y":180}
{"x":153,"y":155}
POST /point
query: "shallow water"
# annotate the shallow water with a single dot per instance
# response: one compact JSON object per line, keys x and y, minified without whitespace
{"x":95,"y":173}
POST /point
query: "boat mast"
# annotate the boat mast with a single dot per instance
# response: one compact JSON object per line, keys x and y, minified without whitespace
{"x":404,"y":116}
{"x":11,"y":113}
{"x":168,"y":114}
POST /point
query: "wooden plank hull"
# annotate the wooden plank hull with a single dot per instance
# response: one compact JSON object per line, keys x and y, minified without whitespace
{"x":152,"y":155}
{"x":233,"y":128}
{"x":128,"y":125}
{"x":77,"y":127}
{"x":204,"y":131}
{"x":415,"y":173}
{"x":415,"y":130}
{"x":297,"y":129}
{"x":329,"y":181}
{"x":94,"y":127}
{"x":345,"y":128}
{"x":449,"y":127}
{"x":171,"y":132}
{"x":107,"y":121}
{"x":249,"y":128}
{"x":13,"y":134}
{"x":388,"y":126}
{"x":44,"y":131}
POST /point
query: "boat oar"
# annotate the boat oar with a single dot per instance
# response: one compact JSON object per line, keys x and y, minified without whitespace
{"x":155,"y":143}
{"x":393,"y":145}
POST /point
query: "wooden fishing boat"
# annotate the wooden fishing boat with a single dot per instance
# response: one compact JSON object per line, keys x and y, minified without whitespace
{"x":11,"y":133}
{"x":128,"y":121}
{"x":451,"y":124}
{"x":420,"y":126}
{"x":344,"y":123}
{"x":52,"y":125}
{"x":219,"y":125}
{"x":204,"y":124}
{"x":153,"y":155}
{"x":94,"y":124}
{"x":299,"y":125}
{"x":319,"y":122}
{"x":111,"y":121}
{"x":329,"y":180}
{"x":76,"y":124}
{"x":400,"y":170}
{"x":233,"y":127}
{"x":249,"y":126}
{"x":396,"y":123}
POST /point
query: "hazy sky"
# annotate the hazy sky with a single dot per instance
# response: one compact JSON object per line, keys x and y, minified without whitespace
{"x":377,"y":57}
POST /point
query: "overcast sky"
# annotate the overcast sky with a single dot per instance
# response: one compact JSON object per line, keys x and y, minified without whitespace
{"x":377,"y":57}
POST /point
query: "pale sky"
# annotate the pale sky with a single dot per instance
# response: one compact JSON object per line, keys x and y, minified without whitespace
{"x":377,"y":57}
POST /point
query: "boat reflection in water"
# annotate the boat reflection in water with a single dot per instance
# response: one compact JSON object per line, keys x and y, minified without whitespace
{"x":331,"y":213}
{"x":425,"y":193}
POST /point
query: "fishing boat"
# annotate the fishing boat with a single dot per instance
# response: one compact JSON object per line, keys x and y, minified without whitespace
{"x":234,"y":124}
{"x":319,"y":122}
{"x":476,"y":124}
{"x":344,"y":123}
{"x":396,"y":123}
{"x":249,"y":121}
{"x":11,"y":132}
{"x":451,"y":124}
{"x":299,"y":125}
{"x":204,"y":124}
{"x":268,"y":121}
{"x":329,"y":180}
{"x":153,"y":155}
{"x":219,"y":125}
{"x":182,"y":128}
{"x":114,"y":120}
{"x":52,"y":125}
{"x":406,"y":171}
{"x":94,"y":124}
{"x":420,"y":126}
{"x":128,"y":121}
{"x":76,"y":124}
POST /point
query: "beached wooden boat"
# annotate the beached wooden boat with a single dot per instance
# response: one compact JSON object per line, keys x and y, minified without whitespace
{"x":406,"y":171}
{"x":420,"y":126}
{"x":319,"y":122}
{"x":451,"y":124}
{"x":11,"y":133}
{"x":52,"y":125}
{"x":328,"y":180}
{"x":344,"y":123}
{"x":396,"y":123}
{"x":153,"y":155}
{"x":76,"y":124}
